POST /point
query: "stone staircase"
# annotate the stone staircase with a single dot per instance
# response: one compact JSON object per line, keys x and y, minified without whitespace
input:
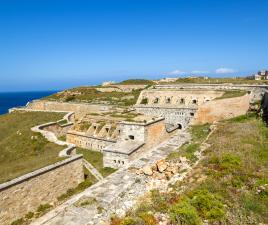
{"x":92,"y":170}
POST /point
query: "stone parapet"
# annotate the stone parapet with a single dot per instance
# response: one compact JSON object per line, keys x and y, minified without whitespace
{"x":25,"y":193}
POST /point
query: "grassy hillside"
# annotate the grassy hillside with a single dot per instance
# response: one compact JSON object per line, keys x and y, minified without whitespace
{"x":229,"y":186}
{"x":232,"y":94}
{"x":92,"y":95}
{"x":22,"y":150}
{"x":137,"y":82}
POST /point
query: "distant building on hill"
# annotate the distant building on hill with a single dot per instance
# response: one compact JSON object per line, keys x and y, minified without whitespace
{"x":168,"y":79}
{"x":107,"y":83}
{"x":261,"y":75}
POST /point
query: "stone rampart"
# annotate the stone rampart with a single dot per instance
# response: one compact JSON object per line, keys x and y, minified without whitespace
{"x":176,"y":97}
{"x":172,"y":115}
{"x":88,"y":142}
{"x":24,"y":194}
{"x":227,"y":86}
{"x":57,"y":129}
{"x":222,"y":109}
{"x":80,"y":109}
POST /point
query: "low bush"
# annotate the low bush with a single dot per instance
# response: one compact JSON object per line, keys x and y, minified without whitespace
{"x":184,"y":213}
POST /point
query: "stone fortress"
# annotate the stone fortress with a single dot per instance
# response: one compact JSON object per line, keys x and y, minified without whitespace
{"x":124,"y":134}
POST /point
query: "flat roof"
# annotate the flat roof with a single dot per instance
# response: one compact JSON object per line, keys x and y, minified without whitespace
{"x":124,"y":147}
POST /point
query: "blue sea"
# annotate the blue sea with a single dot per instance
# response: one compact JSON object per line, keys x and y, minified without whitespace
{"x":15,"y":99}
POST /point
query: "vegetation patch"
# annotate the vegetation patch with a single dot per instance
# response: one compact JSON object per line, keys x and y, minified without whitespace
{"x":96,"y":159}
{"x":137,"y":82}
{"x":235,"y":188}
{"x":198,"y":133}
{"x":92,"y":95}
{"x":232,"y":94}
{"x":22,"y":150}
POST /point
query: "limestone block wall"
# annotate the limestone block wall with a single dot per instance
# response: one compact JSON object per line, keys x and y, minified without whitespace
{"x":115,"y":160}
{"x":24,"y":194}
{"x":129,"y":88}
{"x":80,"y":109}
{"x":153,"y":134}
{"x":87,"y":142}
{"x":222,"y":109}
{"x":58,"y":130}
{"x":172,"y":115}
{"x":194,"y":86}
{"x":178,"y":97}
{"x":128,"y":129}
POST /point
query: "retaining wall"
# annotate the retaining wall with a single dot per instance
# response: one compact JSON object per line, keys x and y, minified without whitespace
{"x":80,"y":109}
{"x":24,"y":194}
{"x":222,"y":109}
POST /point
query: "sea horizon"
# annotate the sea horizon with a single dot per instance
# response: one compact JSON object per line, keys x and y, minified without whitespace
{"x":13,"y":99}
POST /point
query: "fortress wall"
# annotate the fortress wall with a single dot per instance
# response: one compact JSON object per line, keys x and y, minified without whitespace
{"x":129,"y":88}
{"x":178,"y":97}
{"x":210,"y":86}
{"x":222,"y":109}
{"x":80,"y":109}
{"x":155,"y":134}
{"x":24,"y":194}
{"x":173,"y":116}
{"x":152,"y":135}
{"x":87,"y":142}
{"x":57,"y":129}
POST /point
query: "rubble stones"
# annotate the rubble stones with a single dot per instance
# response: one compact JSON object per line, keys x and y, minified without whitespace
{"x":147,"y":170}
{"x":161,"y":165}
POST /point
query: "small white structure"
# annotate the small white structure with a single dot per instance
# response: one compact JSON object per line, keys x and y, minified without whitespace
{"x":261,"y":75}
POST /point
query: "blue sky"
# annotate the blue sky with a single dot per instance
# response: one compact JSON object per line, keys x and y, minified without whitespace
{"x":48,"y":45}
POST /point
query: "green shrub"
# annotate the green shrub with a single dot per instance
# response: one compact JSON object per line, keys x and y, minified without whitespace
{"x":184,"y":213}
{"x":29,"y":215}
{"x":43,"y":207}
{"x":128,"y":221}
{"x":229,"y":162}
{"x":253,"y":204}
{"x":159,"y":201}
{"x":20,"y":221}
{"x":148,"y":219}
{"x":209,"y":205}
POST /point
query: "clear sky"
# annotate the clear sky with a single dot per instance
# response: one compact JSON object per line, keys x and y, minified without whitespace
{"x":54,"y":44}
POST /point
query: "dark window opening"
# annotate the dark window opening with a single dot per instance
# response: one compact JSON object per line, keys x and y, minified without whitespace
{"x":156,"y":100}
{"x":182,"y":101}
{"x":194,"y":101}
{"x":107,"y":130}
{"x":144,"y":101}
{"x":131,"y":137}
{"x":168,"y":100}
{"x":192,"y":114}
{"x":179,"y":126}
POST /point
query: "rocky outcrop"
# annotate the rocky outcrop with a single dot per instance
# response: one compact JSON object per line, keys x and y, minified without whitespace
{"x":164,"y":170}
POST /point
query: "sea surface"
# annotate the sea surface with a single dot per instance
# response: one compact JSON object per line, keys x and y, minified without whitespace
{"x":15,"y":99}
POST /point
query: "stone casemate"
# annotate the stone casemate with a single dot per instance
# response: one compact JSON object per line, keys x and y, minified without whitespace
{"x":135,"y":138}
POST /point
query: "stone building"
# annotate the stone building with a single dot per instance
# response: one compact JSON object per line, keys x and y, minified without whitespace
{"x":135,"y":138}
{"x":261,"y":75}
